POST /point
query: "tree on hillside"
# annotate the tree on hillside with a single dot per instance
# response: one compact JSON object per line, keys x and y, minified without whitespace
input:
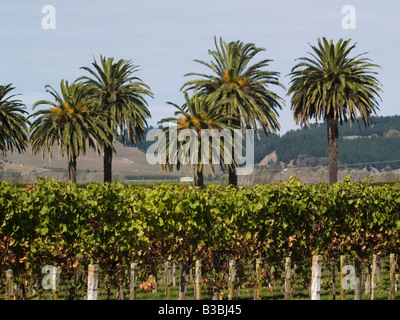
{"x":195,"y":114}
{"x":69,"y":123}
{"x":334,"y":87}
{"x":243,"y":87}
{"x":13,"y":123}
{"x":119,"y":97}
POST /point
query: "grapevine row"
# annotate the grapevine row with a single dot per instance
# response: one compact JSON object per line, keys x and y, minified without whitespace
{"x":58,"y":223}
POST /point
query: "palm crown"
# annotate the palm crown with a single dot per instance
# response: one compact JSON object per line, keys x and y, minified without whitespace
{"x":13,"y":123}
{"x":120,"y":95}
{"x":68,"y":123}
{"x":332,"y":84}
{"x":243,"y":86}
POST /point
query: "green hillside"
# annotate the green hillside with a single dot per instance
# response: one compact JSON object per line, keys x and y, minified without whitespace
{"x":359,"y":146}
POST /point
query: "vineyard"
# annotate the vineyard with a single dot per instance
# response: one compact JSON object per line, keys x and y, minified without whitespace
{"x":112,"y":225}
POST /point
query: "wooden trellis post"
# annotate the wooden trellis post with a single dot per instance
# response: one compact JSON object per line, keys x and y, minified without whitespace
{"x":197,"y":280}
{"x":342,"y":264}
{"x":392,"y":276}
{"x":373,"y":276}
{"x":93,"y":281}
{"x":257,"y":291}
{"x":316,"y":278}
{"x":9,"y":284}
{"x":288,"y":284}
{"x":231,"y":283}
{"x":167,"y":280}
{"x":133,"y":281}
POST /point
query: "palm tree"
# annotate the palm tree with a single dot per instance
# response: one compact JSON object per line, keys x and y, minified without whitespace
{"x":69,"y":123}
{"x":244,"y":87}
{"x":334,"y":87}
{"x":13,"y":123}
{"x":196,"y":114}
{"x":120,"y":97}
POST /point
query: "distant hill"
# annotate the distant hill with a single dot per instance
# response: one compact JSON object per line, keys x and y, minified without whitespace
{"x":128,"y":163}
{"x":377,"y":145}
{"x":126,"y":159}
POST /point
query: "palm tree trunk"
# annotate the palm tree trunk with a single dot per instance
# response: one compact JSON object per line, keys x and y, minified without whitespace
{"x":233,"y":179}
{"x":107,"y":164}
{"x":72,"y":169}
{"x":232,"y":176}
{"x":333,"y":133}
{"x":199,"y":178}
{"x":107,"y":158}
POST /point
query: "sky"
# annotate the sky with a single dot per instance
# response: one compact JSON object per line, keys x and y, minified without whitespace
{"x":165,"y":37}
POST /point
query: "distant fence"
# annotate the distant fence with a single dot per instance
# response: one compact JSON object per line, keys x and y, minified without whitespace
{"x":317,"y":279}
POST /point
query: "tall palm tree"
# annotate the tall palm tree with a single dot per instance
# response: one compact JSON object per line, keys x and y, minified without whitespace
{"x":198,"y":114}
{"x":334,"y":87}
{"x":120,"y":96}
{"x":13,"y":123}
{"x":244,"y":87}
{"x":69,"y":123}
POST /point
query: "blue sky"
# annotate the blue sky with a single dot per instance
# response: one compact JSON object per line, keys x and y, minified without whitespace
{"x":164,"y":37}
